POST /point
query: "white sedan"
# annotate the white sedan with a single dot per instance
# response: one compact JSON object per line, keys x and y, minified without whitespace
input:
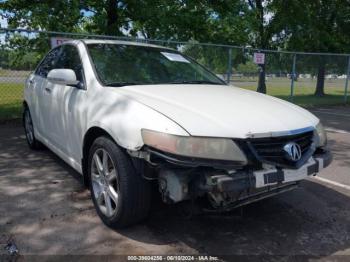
{"x":128,"y":115}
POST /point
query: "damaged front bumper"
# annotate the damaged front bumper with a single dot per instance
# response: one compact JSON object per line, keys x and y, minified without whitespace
{"x":273,"y":176}
{"x":229,"y":189}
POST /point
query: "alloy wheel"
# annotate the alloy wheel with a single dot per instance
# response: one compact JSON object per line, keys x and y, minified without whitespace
{"x":104,"y":182}
{"x":28,"y":126}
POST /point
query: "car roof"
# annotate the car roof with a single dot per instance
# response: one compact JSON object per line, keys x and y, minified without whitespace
{"x":122,"y":42}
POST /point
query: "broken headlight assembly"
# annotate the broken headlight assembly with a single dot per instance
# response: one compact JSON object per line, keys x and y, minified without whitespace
{"x":197,"y":147}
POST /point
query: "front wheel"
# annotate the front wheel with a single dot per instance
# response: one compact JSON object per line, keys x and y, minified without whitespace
{"x":120,"y":195}
{"x":33,"y":143}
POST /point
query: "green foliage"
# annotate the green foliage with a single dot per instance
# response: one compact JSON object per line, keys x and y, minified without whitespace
{"x":203,"y":21}
{"x":52,"y":15}
{"x":108,"y":17}
{"x":214,"y":58}
{"x":247,"y":68}
{"x":20,"y":61}
{"x":317,"y":26}
{"x":21,"y":52}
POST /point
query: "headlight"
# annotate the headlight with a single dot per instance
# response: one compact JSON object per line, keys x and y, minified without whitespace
{"x":321,"y":137}
{"x":208,"y":148}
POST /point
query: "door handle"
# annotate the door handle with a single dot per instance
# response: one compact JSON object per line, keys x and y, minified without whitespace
{"x":31,"y":83}
{"x":48,"y":90}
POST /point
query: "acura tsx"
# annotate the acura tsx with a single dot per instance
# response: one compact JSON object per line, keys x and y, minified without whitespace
{"x":127,"y":116}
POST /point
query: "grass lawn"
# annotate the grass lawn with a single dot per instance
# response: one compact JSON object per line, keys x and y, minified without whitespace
{"x":11,"y":98}
{"x":303,"y":90}
{"x":11,"y":94}
{"x":304,"y":96}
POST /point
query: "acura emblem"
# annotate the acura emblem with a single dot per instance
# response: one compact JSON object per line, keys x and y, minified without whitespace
{"x":293,"y":151}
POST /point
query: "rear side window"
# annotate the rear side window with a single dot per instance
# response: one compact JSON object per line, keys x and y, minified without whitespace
{"x":48,"y":63}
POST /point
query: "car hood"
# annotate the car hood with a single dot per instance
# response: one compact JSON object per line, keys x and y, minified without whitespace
{"x":221,"y":111}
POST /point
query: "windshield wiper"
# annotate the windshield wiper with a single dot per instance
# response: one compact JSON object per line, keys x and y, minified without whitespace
{"x":196,"y":82}
{"x":117,"y":84}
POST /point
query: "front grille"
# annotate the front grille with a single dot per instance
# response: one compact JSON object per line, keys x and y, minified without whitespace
{"x":270,"y":150}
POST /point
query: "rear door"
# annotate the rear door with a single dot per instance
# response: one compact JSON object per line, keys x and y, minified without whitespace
{"x":32,"y":92}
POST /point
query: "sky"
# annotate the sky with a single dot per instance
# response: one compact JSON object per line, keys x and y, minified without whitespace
{"x":3,"y":22}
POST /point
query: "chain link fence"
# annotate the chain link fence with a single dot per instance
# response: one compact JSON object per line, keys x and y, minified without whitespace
{"x":288,"y":75}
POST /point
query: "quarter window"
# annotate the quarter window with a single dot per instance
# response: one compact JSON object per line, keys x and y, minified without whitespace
{"x":48,"y":63}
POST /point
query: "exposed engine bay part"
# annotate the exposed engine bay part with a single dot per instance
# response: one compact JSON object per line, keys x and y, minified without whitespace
{"x":220,"y":182}
{"x":223,"y":191}
{"x":174,"y":186}
{"x":219,"y":206}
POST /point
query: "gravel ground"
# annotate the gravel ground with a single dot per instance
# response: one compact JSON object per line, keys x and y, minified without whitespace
{"x":45,"y":210}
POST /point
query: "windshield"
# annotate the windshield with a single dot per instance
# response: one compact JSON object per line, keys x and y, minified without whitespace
{"x":118,"y":65}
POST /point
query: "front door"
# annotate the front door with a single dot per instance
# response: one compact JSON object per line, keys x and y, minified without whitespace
{"x":63,"y":116}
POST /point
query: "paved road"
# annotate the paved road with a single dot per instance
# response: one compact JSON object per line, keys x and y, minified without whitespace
{"x":337,"y":123}
{"x":45,"y":210}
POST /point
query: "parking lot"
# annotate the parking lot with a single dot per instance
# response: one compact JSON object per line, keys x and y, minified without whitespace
{"x":46,"y":210}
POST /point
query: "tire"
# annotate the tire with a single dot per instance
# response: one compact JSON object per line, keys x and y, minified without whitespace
{"x":33,"y":143}
{"x":120,"y":195}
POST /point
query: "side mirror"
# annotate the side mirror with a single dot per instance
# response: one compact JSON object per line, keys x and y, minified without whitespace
{"x":63,"y":77}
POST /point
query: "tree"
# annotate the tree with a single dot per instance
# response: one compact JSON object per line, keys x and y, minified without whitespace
{"x":318,"y":26}
{"x":214,"y":58}
{"x":265,"y":27}
{"x":185,"y":20}
{"x":104,"y":17}
{"x":108,"y":17}
{"x":51,"y":15}
{"x":20,"y":52}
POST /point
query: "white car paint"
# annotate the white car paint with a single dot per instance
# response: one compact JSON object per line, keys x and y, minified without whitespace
{"x":63,"y":115}
{"x":221,"y":111}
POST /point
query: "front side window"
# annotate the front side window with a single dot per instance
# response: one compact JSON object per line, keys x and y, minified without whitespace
{"x":69,"y":59}
{"x":118,"y":64}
